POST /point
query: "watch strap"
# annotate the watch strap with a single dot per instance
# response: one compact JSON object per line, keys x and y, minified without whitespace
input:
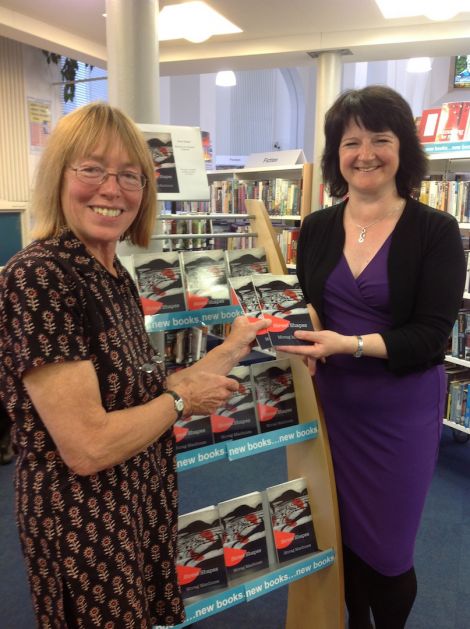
{"x":178,"y":403}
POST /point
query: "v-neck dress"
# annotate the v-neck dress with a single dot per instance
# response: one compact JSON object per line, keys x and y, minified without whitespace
{"x":384,"y":429}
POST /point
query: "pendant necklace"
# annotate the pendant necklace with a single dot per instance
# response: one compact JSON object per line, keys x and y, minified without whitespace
{"x":364,"y":228}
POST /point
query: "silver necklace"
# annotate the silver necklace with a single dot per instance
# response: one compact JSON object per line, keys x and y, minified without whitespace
{"x":364,"y":228}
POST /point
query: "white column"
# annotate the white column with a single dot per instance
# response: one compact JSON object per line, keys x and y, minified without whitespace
{"x":328,"y":87}
{"x":133,"y":58}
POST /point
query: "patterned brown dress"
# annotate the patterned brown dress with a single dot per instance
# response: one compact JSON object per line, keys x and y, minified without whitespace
{"x":100,"y":550}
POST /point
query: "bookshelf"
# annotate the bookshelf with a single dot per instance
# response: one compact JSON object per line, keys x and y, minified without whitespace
{"x":316,"y":593}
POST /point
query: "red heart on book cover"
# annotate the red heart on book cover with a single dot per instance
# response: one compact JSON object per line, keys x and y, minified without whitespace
{"x":233,"y":556}
{"x":266,"y":412}
{"x":150,"y":306}
{"x":180,"y":433}
{"x":196,"y":302}
{"x":221,"y":423}
{"x":254,"y":320}
{"x":283,"y":539}
{"x":187,"y":574}
{"x":277,"y":324}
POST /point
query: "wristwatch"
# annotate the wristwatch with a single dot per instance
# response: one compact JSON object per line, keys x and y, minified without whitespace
{"x":178,"y":403}
{"x":360,"y":347}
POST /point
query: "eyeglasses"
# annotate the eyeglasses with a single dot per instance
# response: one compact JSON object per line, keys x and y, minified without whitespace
{"x":95,"y":176}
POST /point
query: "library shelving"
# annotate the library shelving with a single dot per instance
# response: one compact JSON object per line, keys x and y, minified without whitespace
{"x":316,"y":592}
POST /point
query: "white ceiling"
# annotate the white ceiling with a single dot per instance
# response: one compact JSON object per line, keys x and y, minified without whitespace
{"x":276,"y":33}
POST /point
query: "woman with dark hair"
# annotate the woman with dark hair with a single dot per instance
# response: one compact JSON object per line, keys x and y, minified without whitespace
{"x":384,"y":277}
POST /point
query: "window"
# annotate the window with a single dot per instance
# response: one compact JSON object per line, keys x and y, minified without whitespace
{"x":93,"y":87}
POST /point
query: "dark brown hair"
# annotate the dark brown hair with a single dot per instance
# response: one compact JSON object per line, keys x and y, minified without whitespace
{"x":376,"y":108}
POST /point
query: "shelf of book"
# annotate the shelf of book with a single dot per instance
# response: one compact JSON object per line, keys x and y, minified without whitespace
{"x":457,"y":361}
{"x":255,"y":588}
{"x":313,"y":599}
{"x":455,"y":426}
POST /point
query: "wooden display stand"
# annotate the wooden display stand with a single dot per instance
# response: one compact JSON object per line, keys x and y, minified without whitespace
{"x":316,"y":600}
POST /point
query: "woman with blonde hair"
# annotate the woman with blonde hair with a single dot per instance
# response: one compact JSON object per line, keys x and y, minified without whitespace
{"x":92,"y":413}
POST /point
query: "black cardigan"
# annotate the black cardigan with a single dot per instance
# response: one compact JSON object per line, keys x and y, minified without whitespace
{"x":426,"y":273}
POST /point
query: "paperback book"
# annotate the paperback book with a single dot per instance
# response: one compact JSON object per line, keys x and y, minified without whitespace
{"x":247,"y":261}
{"x":273,"y":385}
{"x":243,"y":293}
{"x":244,"y":535}
{"x":205,"y":275}
{"x":291,"y":519}
{"x":159,"y":282}
{"x":200,"y":564}
{"x":192,"y":432}
{"x":237,"y":418}
{"x":282,"y":301}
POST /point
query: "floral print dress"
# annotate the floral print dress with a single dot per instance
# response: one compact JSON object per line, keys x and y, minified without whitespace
{"x":100,"y":550}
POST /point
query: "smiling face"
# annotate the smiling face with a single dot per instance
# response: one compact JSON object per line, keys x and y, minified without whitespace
{"x":99,"y":214}
{"x":369,"y":160}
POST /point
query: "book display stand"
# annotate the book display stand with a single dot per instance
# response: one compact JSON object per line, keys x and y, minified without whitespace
{"x":315,"y":597}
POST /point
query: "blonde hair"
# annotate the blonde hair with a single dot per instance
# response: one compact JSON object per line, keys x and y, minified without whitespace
{"x":75,"y":136}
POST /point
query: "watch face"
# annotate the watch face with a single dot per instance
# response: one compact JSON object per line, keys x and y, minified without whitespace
{"x":179,"y":405}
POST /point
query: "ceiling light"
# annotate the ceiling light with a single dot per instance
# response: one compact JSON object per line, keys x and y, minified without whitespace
{"x":433,"y":9}
{"x":194,"y":21}
{"x":418,"y":65}
{"x":226,"y":78}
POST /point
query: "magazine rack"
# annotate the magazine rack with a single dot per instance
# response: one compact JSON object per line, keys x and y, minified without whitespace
{"x":316,"y":600}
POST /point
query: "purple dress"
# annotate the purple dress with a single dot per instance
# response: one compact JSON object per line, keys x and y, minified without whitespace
{"x":384,"y":429}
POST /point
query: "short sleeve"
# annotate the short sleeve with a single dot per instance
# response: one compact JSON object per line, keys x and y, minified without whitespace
{"x":42,"y":318}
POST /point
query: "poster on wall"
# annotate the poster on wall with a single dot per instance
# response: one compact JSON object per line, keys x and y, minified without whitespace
{"x":178,"y":158}
{"x":40,"y":121}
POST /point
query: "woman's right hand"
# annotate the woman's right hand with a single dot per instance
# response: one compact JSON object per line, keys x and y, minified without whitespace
{"x":202,"y":392}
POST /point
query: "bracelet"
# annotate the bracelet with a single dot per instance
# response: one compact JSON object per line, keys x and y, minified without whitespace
{"x":360,"y":347}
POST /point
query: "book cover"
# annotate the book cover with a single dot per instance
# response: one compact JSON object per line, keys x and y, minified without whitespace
{"x":159,"y":282}
{"x":200,"y":564}
{"x":273,"y":386}
{"x":428,"y":124}
{"x":237,"y":418}
{"x":282,"y":301}
{"x":291,"y":520}
{"x":244,"y":535}
{"x":205,"y":276}
{"x":247,"y":261}
{"x":243,"y":293}
{"x":452,"y":122}
{"x":192,"y":432}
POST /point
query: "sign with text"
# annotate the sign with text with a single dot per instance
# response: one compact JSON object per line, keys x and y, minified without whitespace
{"x":276,"y":158}
{"x":178,"y":157}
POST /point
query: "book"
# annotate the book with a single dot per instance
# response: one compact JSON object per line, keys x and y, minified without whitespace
{"x":243,"y":293}
{"x":273,"y":385}
{"x":282,"y":302}
{"x":428,"y":124}
{"x":200,"y":563}
{"x":244,"y":535}
{"x":205,"y":278}
{"x":452,"y":122}
{"x":159,"y":282}
{"x":246,"y":261}
{"x":291,"y":520}
{"x":192,"y":432}
{"x":237,"y":418}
